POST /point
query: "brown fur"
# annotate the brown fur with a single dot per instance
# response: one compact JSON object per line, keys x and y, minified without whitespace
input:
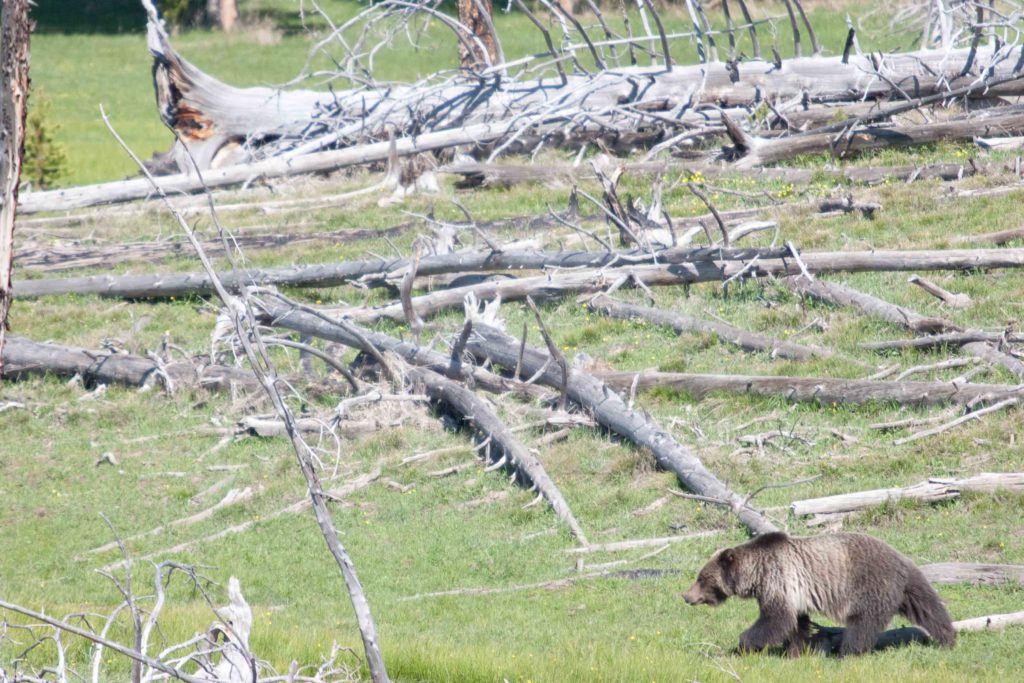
{"x":852,"y":578}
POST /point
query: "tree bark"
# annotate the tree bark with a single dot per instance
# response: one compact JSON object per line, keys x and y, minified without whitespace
{"x":490,"y":344}
{"x":823,"y":390}
{"x":15,"y":28}
{"x":476,"y":16}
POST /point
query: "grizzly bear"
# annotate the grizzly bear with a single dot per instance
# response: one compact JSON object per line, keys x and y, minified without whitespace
{"x":852,"y":578}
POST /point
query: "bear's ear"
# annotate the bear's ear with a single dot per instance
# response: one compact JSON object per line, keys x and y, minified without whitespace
{"x":728,"y":556}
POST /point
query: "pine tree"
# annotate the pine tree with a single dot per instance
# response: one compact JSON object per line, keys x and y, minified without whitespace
{"x":45,"y":161}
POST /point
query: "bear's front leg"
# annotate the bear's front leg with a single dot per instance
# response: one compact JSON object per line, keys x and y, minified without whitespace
{"x":775,"y":625}
{"x":800,"y":637}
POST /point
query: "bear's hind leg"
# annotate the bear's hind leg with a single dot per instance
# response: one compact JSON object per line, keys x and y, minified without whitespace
{"x":861,"y":633}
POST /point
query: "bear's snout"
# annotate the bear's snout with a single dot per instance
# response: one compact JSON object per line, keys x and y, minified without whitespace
{"x":694,"y":596}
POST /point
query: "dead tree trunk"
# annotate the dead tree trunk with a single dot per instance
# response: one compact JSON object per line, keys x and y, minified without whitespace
{"x":222,"y":14}
{"x":14,"y":36}
{"x":481,"y":50}
{"x":22,"y":357}
{"x":210,"y":115}
{"x":760,"y":151}
{"x":932,"y":490}
{"x":748,"y":341}
{"x":480,"y":416}
{"x":823,"y":390}
{"x":490,"y":344}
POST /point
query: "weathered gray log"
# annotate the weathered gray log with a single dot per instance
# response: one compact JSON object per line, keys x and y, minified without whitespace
{"x":946,"y":339}
{"x":959,"y":300}
{"x":274,"y":167}
{"x":898,"y":315}
{"x":550,"y":287}
{"x":840,"y":295}
{"x":164,"y":285}
{"x":33,"y":256}
{"x":15,"y":28}
{"x":199,"y":106}
{"x":822,"y":390}
{"x":477,"y":174}
{"x":1001,"y":237}
{"x":488,"y":343}
{"x":992,"y":622}
{"x":748,"y":341}
{"x":932,"y":490}
{"x":760,"y":151}
{"x":23,"y":358}
{"x":480,"y":416}
{"x":989,"y":353}
{"x":279,"y":311}
{"x":978,"y":574}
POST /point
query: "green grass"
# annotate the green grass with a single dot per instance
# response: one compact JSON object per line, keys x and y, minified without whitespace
{"x":428,"y":540}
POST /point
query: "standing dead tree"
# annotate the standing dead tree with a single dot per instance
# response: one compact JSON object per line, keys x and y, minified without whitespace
{"x":14,"y":36}
{"x":483,"y":52}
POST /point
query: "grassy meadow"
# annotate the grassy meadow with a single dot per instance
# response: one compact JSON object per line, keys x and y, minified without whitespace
{"x":471,"y":529}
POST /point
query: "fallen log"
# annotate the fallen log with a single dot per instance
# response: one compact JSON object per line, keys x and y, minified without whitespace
{"x":748,"y":341}
{"x":479,"y":174}
{"x":480,"y":416}
{"x":977,"y":574}
{"x":684,"y":265}
{"x":754,"y":152}
{"x":279,"y":311}
{"x":209,"y":115}
{"x":549,"y":287}
{"x":1001,"y":237}
{"x":993,"y":622}
{"x":23,"y":358}
{"x":825,"y":391}
{"x":54,"y":257}
{"x":934,"y":489}
{"x":221,"y":124}
{"x":989,"y":353}
{"x":490,"y":344}
{"x":164,"y":285}
{"x":946,"y":339}
{"x":838,"y":294}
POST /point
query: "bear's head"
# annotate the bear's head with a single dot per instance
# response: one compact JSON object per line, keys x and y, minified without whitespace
{"x":716,"y":581}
